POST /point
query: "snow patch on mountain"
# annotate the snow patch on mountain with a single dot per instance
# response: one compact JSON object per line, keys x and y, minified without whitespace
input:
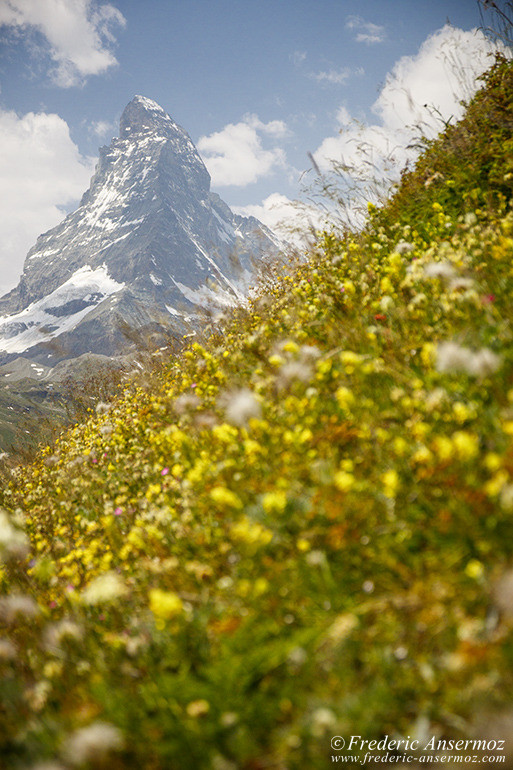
{"x":59,"y":311}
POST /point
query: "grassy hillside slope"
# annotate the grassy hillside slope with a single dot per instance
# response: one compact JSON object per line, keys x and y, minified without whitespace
{"x":304,"y":528}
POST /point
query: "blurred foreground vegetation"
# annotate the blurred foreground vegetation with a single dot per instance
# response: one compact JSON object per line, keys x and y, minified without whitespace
{"x":304,"y":527}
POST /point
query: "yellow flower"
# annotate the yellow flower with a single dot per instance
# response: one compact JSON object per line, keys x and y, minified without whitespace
{"x":390,"y":481}
{"x":443,"y":447}
{"x":350,"y":358}
{"x":290,"y":347}
{"x":251,"y":532}
{"x":494,"y":486}
{"x":345,"y":397}
{"x":225,"y":433}
{"x":492,"y":461}
{"x":400,"y":446}
{"x":225,"y":498}
{"x":461,"y":411}
{"x":165,"y":604}
{"x":324,"y":366}
{"x":261,"y":586}
{"x":387,"y":287}
{"x":428,"y":354}
{"x":274,"y":502}
{"x":344,"y":481}
{"x":198,"y":708}
{"x":153,"y":491}
{"x":467,"y":444}
{"x":474,"y":569}
{"x":422,"y":455}
{"x":419,"y":430}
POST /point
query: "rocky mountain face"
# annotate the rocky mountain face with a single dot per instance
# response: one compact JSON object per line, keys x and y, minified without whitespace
{"x":149,"y":247}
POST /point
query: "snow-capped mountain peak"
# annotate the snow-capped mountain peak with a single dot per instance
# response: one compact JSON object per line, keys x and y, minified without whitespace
{"x":150,"y":231}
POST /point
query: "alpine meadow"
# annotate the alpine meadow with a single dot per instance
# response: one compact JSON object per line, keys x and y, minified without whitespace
{"x":299,"y":526}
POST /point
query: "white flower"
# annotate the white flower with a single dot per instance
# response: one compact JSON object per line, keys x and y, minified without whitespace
{"x":403,"y":247}
{"x":7,"y":649}
{"x":104,"y":588}
{"x":297,"y":656}
{"x":14,"y":605}
{"x":323,"y":719}
{"x":186,"y":402}
{"x":454,"y":358}
{"x":309,"y":352}
{"x":13,"y":541}
{"x":102,"y":407}
{"x":503,"y":594}
{"x":460,"y":282}
{"x":242,"y":406}
{"x":58,"y":632}
{"x":435,"y":398}
{"x":485,"y":362}
{"x":228,"y":719}
{"x":470,"y":219}
{"x":444,"y":270}
{"x":506,"y":497}
{"x":386,"y":303}
{"x":316,"y":558}
{"x":94,"y":742}
{"x":294,"y":370}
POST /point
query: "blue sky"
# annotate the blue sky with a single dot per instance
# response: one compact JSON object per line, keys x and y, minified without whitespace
{"x":258,"y":84}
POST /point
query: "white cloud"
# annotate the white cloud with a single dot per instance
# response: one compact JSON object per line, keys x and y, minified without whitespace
{"x":271,"y":211}
{"x":419,"y":94}
{"x":42,"y":171}
{"x":298,"y":57}
{"x":102,"y":128}
{"x":273,"y":128}
{"x":236,"y":155}
{"x":366,"y":31}
{"x":343,"y":116}
{"x":79,"y":33}
{"x":443,"y":73}
{"x":336,"y":77}
{"x":292,"y":221}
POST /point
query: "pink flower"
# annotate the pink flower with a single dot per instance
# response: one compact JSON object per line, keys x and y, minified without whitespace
{"x":164,"y":471}
{"x":118,"y":511}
